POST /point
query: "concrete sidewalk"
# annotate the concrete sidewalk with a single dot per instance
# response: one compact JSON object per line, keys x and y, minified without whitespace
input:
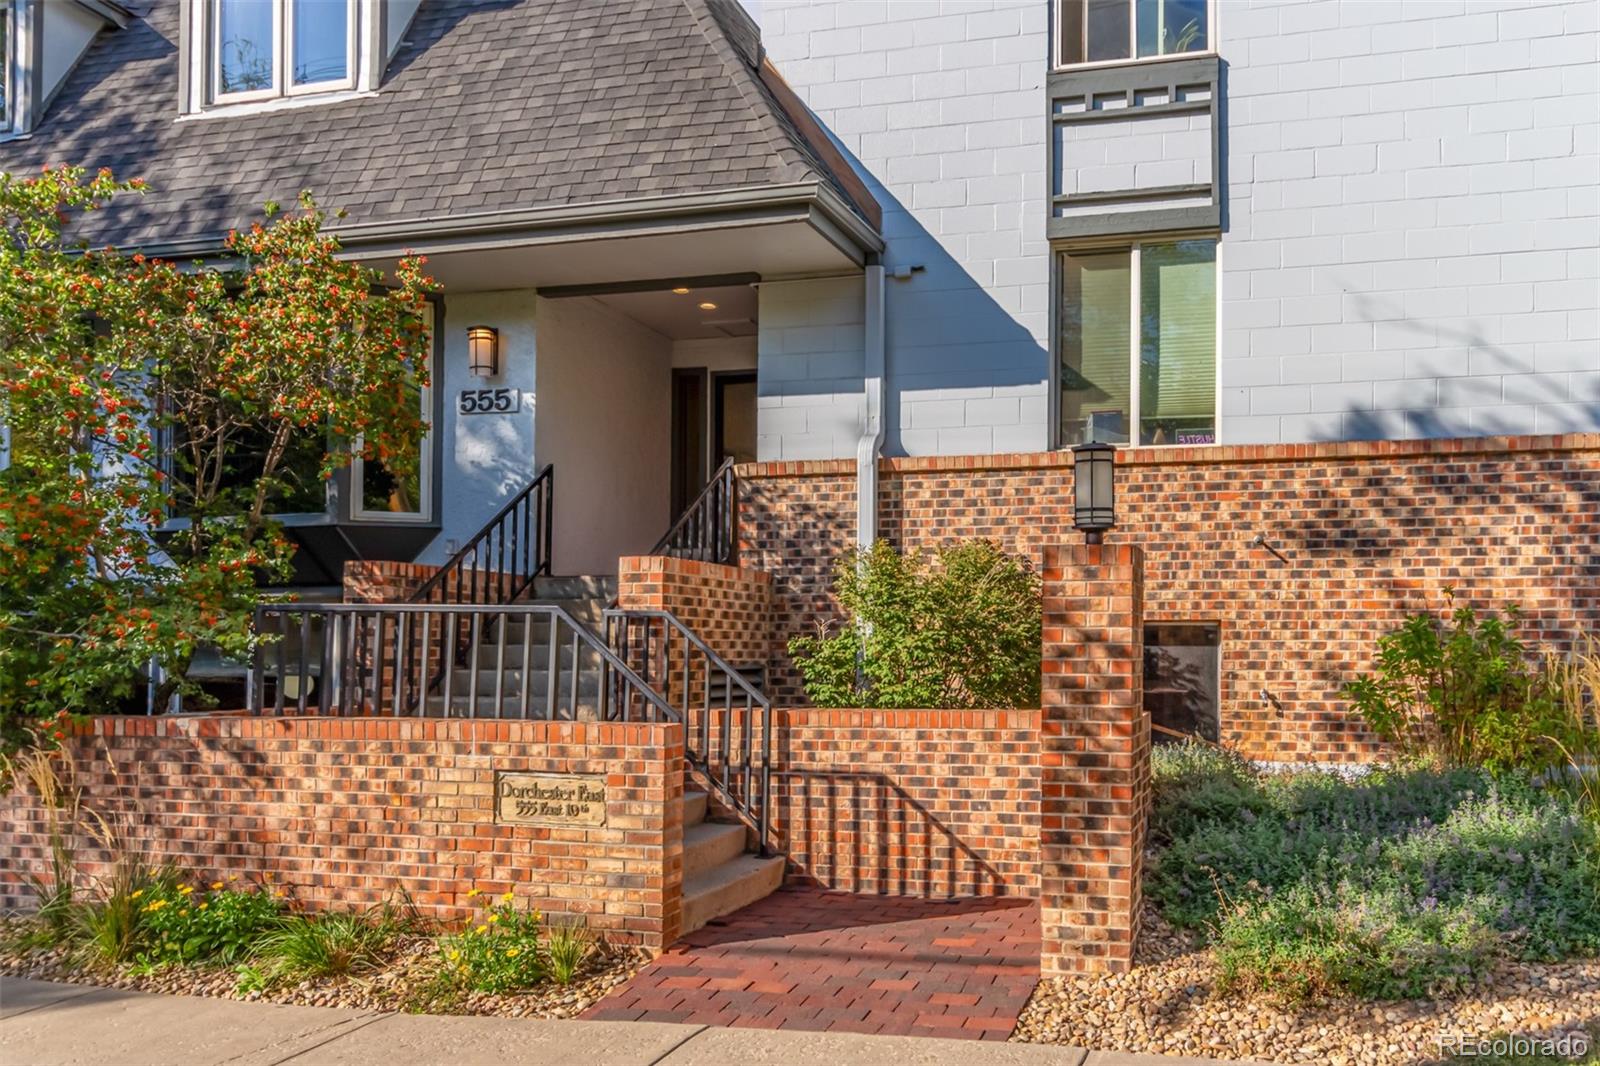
{"x":48,"y":1024}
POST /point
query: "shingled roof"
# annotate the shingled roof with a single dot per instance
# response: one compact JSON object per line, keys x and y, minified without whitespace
{"x":488,"y":106}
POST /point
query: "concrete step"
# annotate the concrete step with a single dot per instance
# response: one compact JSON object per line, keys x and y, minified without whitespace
{"x":724,"y":889}
{"x":538,"y":655}
{"x":574,"y":587}
{"x":588,"y":682}
{"x":709,"y":845}
{"x":694,"y":808}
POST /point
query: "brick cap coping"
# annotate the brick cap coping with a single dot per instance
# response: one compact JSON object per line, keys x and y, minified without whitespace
{"x":1202,"y":455}
{"x":672,"y":564}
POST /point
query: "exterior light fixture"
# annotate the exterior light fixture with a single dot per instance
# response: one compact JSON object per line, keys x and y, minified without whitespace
{"x":681,"y":292}
{"x":1094,"y":490}
{"x":483,"y":351}
{"x":708,"y":306}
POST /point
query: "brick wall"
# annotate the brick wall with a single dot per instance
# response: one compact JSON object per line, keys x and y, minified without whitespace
{"x":383,"y":580}
{"x":728,"y":607}
{"x":1371,"y":531}
{"x":913,"y":803}
{"x":348,"y":812}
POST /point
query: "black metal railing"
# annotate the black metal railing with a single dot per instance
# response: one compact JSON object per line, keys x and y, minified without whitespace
{"x":523,"y":661}
{"x":708,"y":528}
{"x":727,"y":719}
{"x":504,"y":557}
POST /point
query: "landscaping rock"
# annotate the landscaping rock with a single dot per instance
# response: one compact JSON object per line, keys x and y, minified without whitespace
{"x":1168,"y":1004}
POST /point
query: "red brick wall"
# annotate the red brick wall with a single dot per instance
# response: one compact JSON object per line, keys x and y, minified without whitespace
{"x":1371,"y":530}
{"x":347,"y":812}
{"x":1094,"y":752}
{"x":387,"y":581}
{"x":728,"y":607}
{"x":914,"y":803}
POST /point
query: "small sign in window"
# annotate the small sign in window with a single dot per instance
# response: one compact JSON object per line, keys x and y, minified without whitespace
{"x":1182,"y":678}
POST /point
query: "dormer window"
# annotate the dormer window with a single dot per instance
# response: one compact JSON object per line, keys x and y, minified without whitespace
{"x":261,"y":49}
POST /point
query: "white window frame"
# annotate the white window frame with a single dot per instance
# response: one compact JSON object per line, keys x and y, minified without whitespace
{"x":1135,"y":286}
{"x":8,"y":67}
{"x":1058,"y":48}
{"x":358,"y":466}
{"x":282,"y":58}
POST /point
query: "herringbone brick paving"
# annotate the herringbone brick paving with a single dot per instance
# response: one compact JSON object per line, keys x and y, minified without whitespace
{"x":812,"y":959}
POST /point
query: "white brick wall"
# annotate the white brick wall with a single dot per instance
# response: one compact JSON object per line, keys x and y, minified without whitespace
{"x":809,"y":367}
{"x":1413,"y":219}
{"x":942,"y":106}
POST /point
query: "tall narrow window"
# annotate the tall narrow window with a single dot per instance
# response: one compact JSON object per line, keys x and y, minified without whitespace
{"x":5,"y":67}
{"x":1105,"y":31}
{"x":267,"y":48}
{"x":382,"y":493}
{"x":1138,"y":334}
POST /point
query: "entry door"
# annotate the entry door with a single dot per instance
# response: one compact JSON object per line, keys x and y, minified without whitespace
{"x":713,"y":419}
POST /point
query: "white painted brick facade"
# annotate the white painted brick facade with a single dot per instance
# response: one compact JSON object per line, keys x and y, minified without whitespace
{"x":1410,"y":246}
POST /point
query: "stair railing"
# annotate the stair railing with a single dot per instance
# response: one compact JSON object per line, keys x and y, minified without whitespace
{"x":503,"y":558}
{"x":528,"y":661}
{"x":727,"y":719}
{"x":707,"y":529}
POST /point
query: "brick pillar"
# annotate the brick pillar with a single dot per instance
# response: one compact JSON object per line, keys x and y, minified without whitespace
{"x":1094,"y":742}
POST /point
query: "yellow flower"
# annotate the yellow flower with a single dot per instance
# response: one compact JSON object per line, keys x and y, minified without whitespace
{"x":483,"y":928}
{"x":454,"y":955}
{"x":494,"y":917}
{"x":203,"y":906}
{"x":474,"y":892}
{"x":506,"y":896}
{"x":137,"y":893}
{"x":184,"y":913}
{"x":216,"y":886}
{"x":235,"y":877}
{"x":278,"y":894}
{"x":155,"y":904}
{"x":186,"y":889}
{"x":512,"y":953}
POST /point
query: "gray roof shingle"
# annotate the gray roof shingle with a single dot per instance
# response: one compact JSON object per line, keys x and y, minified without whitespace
{"x":489,"y":105}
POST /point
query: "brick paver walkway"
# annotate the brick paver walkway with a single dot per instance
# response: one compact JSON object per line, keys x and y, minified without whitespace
{"x":809,"y":959}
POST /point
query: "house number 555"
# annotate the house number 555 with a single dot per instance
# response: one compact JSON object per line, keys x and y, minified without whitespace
{"x":489,"y":401}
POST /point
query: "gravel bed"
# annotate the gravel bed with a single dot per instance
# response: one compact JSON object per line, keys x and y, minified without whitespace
{"x":1168,"y":1005}
{"x":406,"y":983}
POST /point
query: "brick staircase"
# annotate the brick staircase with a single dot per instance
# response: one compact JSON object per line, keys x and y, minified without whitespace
{"x":720,"y":871}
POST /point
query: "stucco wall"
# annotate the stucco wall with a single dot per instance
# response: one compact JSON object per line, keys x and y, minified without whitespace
{"x":486,"y":458}
{"x":605,"y":414}
{"x":1410,"y":232}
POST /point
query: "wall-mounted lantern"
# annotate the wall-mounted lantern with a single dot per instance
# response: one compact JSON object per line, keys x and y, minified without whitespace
{"x":483,"y":351}
{"x":1094,"y":490}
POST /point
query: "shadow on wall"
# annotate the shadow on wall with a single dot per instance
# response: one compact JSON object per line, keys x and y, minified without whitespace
{"x":861,"y":832}
{"x":961,"y":371}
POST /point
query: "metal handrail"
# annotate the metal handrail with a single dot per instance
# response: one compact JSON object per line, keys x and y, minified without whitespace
{"x":708,"y":528}
{"x":376,"y":659}
{"x":522,"y":526}
{"x":724,"y":753}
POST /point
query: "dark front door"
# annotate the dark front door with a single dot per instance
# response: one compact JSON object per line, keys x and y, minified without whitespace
{"x":713,"y":419}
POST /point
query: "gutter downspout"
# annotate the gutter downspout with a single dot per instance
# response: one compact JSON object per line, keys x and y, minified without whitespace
{"x":871,"y":443}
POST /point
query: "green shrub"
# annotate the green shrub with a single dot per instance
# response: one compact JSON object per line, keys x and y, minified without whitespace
{"x":1462,"y":691}
{"x":501,"y":952}
{"x":1396,"y":884}
{"x":335,"y":945}
{"x":568,"y":947}
{"x":187,"y":923}
{"x":960,"y":630}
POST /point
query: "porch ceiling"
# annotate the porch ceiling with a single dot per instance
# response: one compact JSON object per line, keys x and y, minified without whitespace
{"x":797,"y":234}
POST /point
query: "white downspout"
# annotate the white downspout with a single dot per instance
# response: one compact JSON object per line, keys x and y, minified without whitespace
{"x":871,"y":443}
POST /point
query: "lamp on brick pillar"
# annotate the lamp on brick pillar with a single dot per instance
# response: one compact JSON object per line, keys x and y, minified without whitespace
{"x":1094,"y":490}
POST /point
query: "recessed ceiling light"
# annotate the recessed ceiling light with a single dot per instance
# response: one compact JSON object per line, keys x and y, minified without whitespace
{"x":681,"y":292}
{"x":708,"y":306}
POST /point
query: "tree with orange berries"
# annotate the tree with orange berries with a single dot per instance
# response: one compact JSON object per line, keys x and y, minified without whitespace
{"x":150,"y":413}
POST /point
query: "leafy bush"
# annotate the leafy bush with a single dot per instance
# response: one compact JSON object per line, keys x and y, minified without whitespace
{"x":501,"y":952}
{"x":185,"y":924}
{"x":334,"y":945}
{"x":960,"y":630}
{"x":1462,"y":691}
{"x":1396,"y":884}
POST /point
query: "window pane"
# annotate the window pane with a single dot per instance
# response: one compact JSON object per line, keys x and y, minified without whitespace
{"x":1178,"y":343}
{"x":1070,"y":30}
{"x":1096,"y":332}
{"x":1167,"y":27}
{"x":321,"y":41}
{"x":1181,"y":675}
{"x":244,"y":45}
{"x":1107,"y":30}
